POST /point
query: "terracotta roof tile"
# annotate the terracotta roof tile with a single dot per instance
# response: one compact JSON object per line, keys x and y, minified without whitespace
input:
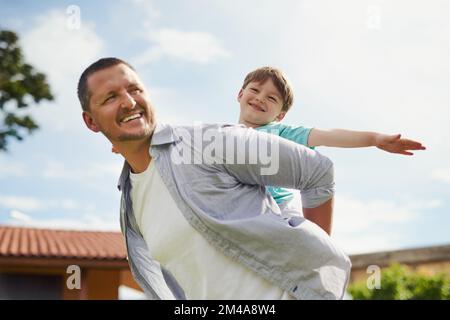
{"x":31,"y":242}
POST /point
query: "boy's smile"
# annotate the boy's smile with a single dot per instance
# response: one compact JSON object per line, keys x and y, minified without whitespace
{"x":257,"y":106}
{"x":260,"y":103}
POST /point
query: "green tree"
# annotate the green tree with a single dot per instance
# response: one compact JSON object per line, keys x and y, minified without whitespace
{"x":398,"y":282}
{"x":20,"y":84}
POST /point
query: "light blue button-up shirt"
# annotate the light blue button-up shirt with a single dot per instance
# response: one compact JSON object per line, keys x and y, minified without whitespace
{"x":225,"y":201}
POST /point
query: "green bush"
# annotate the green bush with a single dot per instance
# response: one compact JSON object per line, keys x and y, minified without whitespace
{"x":398,"y":282}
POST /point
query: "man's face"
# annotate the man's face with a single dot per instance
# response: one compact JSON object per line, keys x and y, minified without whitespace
{"x":119,"y":106}
{"x":260,"y":103}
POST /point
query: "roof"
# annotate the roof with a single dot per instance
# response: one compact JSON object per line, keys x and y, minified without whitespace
{"x":406,"y":256}
{"x":21,"y":242}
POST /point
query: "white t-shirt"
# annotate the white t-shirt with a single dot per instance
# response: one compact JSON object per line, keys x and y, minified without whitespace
{"x":201,"y":270}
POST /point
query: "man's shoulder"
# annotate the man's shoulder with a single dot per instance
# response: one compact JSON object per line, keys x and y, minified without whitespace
{"x":212,"y":132}
{"x":166,"y":133}
{"x":206,"y":129}
{"x":201,"y":125}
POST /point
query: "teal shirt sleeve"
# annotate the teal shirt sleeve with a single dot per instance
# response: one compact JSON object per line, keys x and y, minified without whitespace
{"x":297,"y":134}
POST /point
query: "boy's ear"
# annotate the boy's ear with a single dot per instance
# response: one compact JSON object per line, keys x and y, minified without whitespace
{"x":89,"y":121}
{"x":280,"y":116}
{"x":239,"y":95}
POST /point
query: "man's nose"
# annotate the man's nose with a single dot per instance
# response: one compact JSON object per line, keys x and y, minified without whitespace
{"x":128,"y":101}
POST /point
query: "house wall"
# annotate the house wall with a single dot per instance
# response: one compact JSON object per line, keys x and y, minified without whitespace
{"x":17,"y":286}
{"x":96,"y":283}
{"x":126,"y":279}
{"x":102,"y":284}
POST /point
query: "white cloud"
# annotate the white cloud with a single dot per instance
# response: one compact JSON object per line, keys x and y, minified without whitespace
{"x":58,"y":50}
{"x":147,"y":8}
{"x":20,"y":216}
{"x":61,"y":53}
{"x":58,"y":170}
{"x":11,"y":169}
{"x":196,"y":47}
{"x":391,"y":78}
{"x":13,"y":23}
{"x":28,"y":203}
{"x":21,"y":203}
{"x":360,"y":226}
{"x":374,"y":242}
{"x":442,"y":175}
{"x":84,"y":222}
{"x":87,"y":216}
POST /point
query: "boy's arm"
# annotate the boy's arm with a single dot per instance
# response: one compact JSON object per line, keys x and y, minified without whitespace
{"x":356,"y":139}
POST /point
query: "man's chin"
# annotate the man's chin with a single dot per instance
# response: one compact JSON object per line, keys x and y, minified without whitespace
{"x":134,"y":137}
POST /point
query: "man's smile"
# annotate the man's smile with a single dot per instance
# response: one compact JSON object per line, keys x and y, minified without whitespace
{"x":131,"y":117}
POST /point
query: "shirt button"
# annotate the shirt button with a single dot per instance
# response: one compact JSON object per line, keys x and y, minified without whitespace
{"x":294,"y":221}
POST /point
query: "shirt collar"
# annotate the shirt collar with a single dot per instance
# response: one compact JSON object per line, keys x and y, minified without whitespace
{"x":162,"y":134}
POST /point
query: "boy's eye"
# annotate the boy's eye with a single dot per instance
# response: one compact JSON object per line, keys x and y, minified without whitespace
{"x":254,"y":89}
{"x":272,"y":99}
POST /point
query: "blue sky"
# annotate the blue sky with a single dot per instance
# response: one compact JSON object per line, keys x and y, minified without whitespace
{"x":363,"y":65}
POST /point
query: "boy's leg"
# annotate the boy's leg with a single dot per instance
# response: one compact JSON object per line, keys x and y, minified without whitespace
{"x":321,"y":215}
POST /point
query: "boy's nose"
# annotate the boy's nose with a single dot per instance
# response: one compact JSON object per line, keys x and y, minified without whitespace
{"x":260,"y":99}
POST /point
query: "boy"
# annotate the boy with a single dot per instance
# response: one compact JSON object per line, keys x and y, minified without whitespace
{"x":266,"y":97}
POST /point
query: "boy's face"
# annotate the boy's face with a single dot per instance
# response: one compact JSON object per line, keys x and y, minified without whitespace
{"x":260,"y":103}
{"x":119,"y":105}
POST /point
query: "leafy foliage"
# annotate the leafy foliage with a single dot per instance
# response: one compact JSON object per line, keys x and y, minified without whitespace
{"x":19,"y":84}
{"x":398,"y":282}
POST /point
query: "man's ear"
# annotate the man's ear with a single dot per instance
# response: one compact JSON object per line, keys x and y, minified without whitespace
{"x":239,"y":95}
{"x":90,"y":123}
{"x":280,"y":116}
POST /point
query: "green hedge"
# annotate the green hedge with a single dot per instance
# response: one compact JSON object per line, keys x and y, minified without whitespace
{"x":398,"y":282}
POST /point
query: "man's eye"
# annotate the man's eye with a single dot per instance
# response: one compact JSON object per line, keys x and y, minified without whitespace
{"x":110,"y":98}
{"x":136,"y":90}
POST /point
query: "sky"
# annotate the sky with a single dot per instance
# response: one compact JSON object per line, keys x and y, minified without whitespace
{"x":355,"y":64}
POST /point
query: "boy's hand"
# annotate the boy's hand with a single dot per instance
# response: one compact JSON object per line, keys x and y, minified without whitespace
{"x":394,"y":144}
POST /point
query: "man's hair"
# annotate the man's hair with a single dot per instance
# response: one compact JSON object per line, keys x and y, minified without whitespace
{"x":261,"y":75}
{"x":84,"y":95}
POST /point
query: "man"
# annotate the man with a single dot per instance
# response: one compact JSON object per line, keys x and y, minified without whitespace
{"x":198,"y":224}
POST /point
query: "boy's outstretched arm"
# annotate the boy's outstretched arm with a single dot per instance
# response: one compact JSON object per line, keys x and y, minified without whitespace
{"x":357,"y":139}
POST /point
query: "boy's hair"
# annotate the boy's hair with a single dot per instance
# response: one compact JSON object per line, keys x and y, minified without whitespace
{"x":261,"y":75}
{"x":84,"y":95}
